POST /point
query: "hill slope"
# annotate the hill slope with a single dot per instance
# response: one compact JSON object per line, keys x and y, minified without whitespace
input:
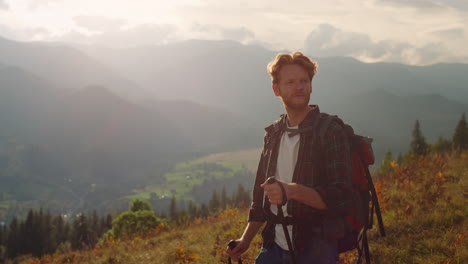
{"x":424,"y":213}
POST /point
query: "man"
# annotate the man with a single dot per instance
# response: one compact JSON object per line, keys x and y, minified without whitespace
{"x":316,"y":181}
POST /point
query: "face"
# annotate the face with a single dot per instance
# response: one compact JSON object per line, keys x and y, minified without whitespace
{"x":294,"y":87}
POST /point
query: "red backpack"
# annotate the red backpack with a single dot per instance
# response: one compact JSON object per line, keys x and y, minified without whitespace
{"x":362,"y":219}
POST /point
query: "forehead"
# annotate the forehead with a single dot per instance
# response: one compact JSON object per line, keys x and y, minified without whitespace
{"x":292,"y":71}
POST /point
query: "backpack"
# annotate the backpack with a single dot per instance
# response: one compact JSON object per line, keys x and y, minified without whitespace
{"x":362,"y":219}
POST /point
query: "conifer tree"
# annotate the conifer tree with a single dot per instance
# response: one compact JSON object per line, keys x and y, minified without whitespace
{"x":108,"y":221}
{"x":442,"y":145}
{"x":60,"y":233}
{"x":224,"y":198}
{"x":48,"y":246}
{"x":385,"y":165}
{"x":418,"y":144}
{"x":460,"y":137}
{"x":242,"y":196}
{"x":80,"y":235}
{"x":214,"y":203}
{"x":400,"y":158}
{"x":204,"y":211}
{"x":13,"y":239}
{"x":192,"y":209}
{"x":173,"y":208}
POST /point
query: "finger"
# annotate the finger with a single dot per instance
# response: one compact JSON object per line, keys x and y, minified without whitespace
{"x":238,"y":250}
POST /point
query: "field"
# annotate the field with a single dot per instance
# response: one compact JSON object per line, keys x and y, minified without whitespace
{"x":185,"y":175}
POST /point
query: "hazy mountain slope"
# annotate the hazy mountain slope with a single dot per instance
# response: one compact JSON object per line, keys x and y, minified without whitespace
{"x":209,"y":129}
{"x":389,"y":118}
{"x":27,"y":103}
{"x":66,"y":67}
{"x":229,"y":75}
{"x":346,"y":76}
{"x":223,"y":74}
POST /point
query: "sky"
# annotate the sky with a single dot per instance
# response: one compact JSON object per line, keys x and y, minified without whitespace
{"x":416,"y":32}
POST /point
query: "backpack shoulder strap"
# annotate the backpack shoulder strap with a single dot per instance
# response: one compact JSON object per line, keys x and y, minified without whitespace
{"x":324,"y":124}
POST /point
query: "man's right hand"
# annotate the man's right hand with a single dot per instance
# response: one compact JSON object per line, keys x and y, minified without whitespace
{"x":241,"y":248}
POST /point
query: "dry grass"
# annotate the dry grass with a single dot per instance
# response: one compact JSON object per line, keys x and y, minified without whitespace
{"x":424,"y":209}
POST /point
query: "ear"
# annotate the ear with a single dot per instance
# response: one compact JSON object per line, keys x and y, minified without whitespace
{"x":275,"y":88}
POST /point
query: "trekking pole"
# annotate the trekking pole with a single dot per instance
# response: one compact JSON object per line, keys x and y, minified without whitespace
{"x":232,"y":244}
{"x":272,"y":180}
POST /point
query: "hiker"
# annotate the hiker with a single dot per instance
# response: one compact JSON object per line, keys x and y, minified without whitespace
{"x":313,"y":190}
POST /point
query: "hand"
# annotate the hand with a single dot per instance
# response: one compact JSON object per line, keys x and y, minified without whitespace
{"x":274,"y":193}
{"x":241,"y":248}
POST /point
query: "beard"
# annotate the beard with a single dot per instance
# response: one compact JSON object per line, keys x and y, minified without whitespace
{"x":296,"y":103}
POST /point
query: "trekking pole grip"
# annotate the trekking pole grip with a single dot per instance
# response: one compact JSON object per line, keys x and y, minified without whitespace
{"x":272,"y":180}
{"x":232,"y":244}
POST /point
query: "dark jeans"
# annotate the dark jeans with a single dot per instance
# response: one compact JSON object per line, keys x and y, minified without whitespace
{"x":317,"y":251}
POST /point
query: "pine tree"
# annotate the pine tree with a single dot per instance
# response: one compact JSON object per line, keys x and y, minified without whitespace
{"x":400,"y":158}
{"x":94,"y":228}
{"x":460,"y":137}
{"x":30,"y":228}
{"x":418,"y":144}
{"x":204,"y":211}
{"x":13,"y":239}
{"x":173,"y":209}
{"x":108,"y":221}
{"x":385,"y":166}
{"x":80,"y":234}
{"x":442,"y":146}
{"x":192,"y":209}
{"x":224,"y":198}
{"x":214,"y":203}
{"x":242,"y":196}
{"x":47,"y":237}
{"x":59,"y":233}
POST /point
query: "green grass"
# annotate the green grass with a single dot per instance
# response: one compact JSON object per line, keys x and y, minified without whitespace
{"x":217,"y":166}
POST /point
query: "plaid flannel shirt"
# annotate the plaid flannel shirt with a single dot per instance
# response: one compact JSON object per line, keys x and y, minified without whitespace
{"x":324,"y":166}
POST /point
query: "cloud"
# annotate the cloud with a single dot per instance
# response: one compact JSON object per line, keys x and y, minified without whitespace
{"x":452,"y":33}
{"x":419,"y":4}
{"x":34,"y":4}
{"x":3,"y":5}
{"x":241,"y":34}
{"x":25,"y":34}
{"x":214,"y":31}
{"x":145,"y":34}
{"x":425,"y":5}
{"x":327,"y":41}
{"x":100,"y":24}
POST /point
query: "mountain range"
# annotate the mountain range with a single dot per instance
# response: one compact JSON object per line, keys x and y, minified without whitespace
{"x":84,"y":125}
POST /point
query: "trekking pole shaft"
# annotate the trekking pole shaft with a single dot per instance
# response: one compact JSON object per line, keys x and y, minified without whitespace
{"x":272,"y":180}
{"x":286,"y":234}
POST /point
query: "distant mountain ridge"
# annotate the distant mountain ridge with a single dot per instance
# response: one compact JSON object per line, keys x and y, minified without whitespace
{"x":103,"y":122}
{"x":67,"y":67}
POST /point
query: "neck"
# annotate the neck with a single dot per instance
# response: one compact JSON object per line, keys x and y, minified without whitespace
{"x":295,"y":116}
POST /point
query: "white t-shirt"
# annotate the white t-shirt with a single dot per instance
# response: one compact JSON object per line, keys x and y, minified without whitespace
{"x":287,"y":158}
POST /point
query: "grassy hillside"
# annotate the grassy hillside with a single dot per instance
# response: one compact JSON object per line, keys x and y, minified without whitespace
{"x":217,"y":168}
{"x":424,"y":210}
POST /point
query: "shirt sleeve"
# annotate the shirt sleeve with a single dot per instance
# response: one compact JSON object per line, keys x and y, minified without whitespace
{"x":336,"y":190}
{"x":256,"y":212}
